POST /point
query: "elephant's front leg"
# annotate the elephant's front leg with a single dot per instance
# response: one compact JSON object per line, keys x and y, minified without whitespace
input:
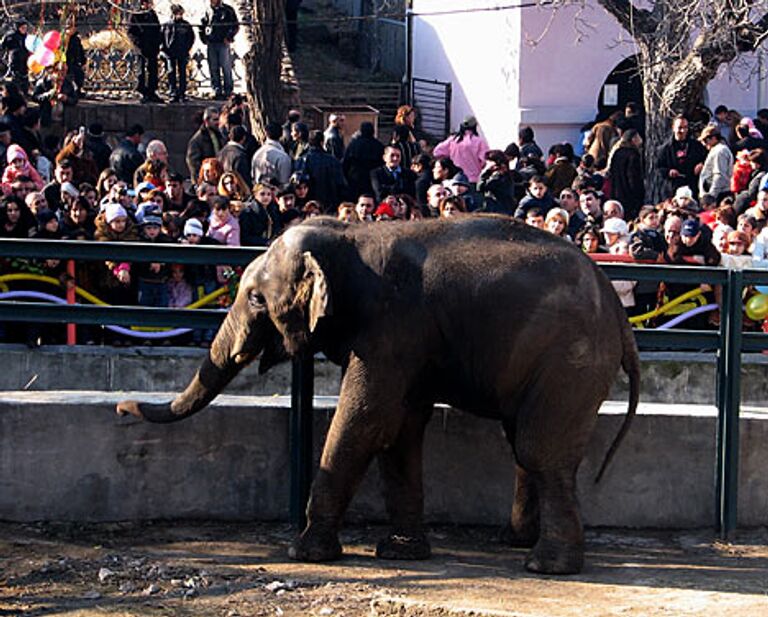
{"x":365,"y":422}
{"x":402,"y":476}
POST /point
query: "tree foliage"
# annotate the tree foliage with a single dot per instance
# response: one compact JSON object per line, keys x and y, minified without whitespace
{"x":681,"y":46}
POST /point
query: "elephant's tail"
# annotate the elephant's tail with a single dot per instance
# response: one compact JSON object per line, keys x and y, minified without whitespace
{"x":630,"y":362}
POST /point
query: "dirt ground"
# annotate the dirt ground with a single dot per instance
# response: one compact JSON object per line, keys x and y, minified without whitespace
{"x":231,"y":570}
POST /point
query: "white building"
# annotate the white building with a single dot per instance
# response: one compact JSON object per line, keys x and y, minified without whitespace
{"x":529,"y":66}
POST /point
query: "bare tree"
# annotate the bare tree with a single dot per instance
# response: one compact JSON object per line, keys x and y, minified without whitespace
{"x":263,"y":61}
{"x":681,"y":45}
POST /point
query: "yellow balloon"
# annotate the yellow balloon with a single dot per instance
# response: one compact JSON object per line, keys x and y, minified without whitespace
{"x":757,"y":307}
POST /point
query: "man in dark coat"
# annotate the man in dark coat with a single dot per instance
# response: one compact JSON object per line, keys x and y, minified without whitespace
{"x":496,"y":184}
{"x":681,"y":159}
{"x":97,"y":145}
{"x":144,"y":32}
{"x":362,"y":156}
{"x":626,"y":173}
{"x":391,"y":178}
{"x":326,"y":178}
{"x":178,"y":38}
{"x":205,"y":143}
{"x":126,"y":158}
{"x":234,"y":157}
{"x":17,"y":54}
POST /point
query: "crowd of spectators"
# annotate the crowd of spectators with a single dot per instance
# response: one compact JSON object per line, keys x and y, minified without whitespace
{"x":237,"y":191}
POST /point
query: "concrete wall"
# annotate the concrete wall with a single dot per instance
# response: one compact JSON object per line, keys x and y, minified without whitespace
{"x":532,"y":67}
{"x":666,"y":377}
{"x":66,"y":456}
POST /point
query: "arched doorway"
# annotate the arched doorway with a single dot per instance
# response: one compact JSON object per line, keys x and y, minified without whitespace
{"x":622,"y":85}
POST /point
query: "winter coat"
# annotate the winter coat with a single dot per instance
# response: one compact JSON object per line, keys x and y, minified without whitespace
{"x":363,"y":155}
{"x":467,"y":151}
{"x":11,"y":172}
{"x":202,"y":146}
{"x":258,"y":224}
{"x":178,"y":37}
{"x":326,"y":178}
{"x":144,"y":32}
{"x":386,"y":182}
{"x":544,"y":203}
{"x":106,"y":272}
{"x":225,"y":232}
{"x":647,"y":244}
{"x":560,"y":175}
{"x":125,"y":159}
{"x":233,"y":157}
{"x":498,"y":189}
{"x":716,"y":174}
{"x":220,"y":25}
{"x":13,"y":44}
{"x":333,"y":142}
{"x":682,"y":156}
{"x":271,"y":161}
{"x":100,"y":151}
{"x":626,"y":173}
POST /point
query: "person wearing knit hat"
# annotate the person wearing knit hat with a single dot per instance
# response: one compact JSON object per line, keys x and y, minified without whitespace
{"x":114,"y":211}
{"x":193,"y":227}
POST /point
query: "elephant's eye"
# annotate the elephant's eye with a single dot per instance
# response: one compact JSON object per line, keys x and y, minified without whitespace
{"x":256,"y":299}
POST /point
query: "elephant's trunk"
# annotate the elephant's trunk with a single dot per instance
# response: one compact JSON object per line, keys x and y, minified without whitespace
{"x":224,"y":361}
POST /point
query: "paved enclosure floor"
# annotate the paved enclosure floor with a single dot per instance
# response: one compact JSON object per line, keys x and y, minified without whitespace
{"x":207,"y":569}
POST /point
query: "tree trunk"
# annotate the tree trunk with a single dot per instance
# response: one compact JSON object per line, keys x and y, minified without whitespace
{"x":263,"y":61}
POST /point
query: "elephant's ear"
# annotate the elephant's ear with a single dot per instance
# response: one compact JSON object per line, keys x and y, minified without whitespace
{"x":320,"y":304}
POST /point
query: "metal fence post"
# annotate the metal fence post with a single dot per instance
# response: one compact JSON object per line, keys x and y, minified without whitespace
{"x":300,"y":431}
{"x":728,"y":403}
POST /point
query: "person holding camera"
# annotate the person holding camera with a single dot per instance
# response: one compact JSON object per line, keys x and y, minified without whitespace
{"x":218,"y":31}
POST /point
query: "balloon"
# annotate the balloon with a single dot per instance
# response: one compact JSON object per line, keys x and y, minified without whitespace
{"x":763,"y":289}
{"x":34,"y":66}
{"x":52,"y":40}
{"x":44,"y":56}
{"x":32,"y":42}
{"x":757,"y":307}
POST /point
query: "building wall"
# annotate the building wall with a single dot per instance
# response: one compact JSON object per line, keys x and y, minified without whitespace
{"x":527,"y":66}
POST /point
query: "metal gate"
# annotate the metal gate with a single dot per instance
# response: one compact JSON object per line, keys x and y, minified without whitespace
{"x":433,"y":100}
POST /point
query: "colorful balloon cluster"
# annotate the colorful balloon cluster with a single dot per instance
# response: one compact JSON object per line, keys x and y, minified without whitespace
{"x":757,"y":307}
{"x":44,"y":51}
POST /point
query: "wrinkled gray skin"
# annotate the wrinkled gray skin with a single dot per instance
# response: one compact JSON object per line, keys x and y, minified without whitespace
{"x":482,"y":313}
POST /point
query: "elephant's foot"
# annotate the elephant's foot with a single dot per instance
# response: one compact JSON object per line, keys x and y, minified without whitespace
{"x":550,"y":558}
{"x":316,"y":544}
{"x":404,"y":546}
{"x":524,"y":537}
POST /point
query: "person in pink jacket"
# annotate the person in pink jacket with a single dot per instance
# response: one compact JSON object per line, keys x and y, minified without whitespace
{"x":466,"y":149}
{"x":19,"y":165}
{"x":223,"y":225}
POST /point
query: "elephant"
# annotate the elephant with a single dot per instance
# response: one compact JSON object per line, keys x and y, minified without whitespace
{"x":479,"y":312}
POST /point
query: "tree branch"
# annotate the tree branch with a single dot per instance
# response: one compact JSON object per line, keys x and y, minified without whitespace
{"x":634,"y":20}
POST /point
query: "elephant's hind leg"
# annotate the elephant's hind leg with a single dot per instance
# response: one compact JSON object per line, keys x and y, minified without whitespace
{"x":560,"y":547}
{"x":523,"y":528}
{"x":401,"y":473}
{"x":552,"y":430}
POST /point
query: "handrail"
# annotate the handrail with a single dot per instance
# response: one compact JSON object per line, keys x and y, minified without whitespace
{"x":129,"y":251}
{"x":728,"y":342}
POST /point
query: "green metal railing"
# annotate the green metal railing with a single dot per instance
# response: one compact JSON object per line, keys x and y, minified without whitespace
{"x":727,"y":343}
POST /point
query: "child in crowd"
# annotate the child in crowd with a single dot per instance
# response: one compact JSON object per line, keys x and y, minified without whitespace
{"x":535,"y":218}
{"x":152,"y":277}
{"x":19,"y":165}
{"x":537,"y":196}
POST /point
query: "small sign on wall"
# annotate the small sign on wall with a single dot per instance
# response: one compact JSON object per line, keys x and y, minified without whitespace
{"x":610,"y":95}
